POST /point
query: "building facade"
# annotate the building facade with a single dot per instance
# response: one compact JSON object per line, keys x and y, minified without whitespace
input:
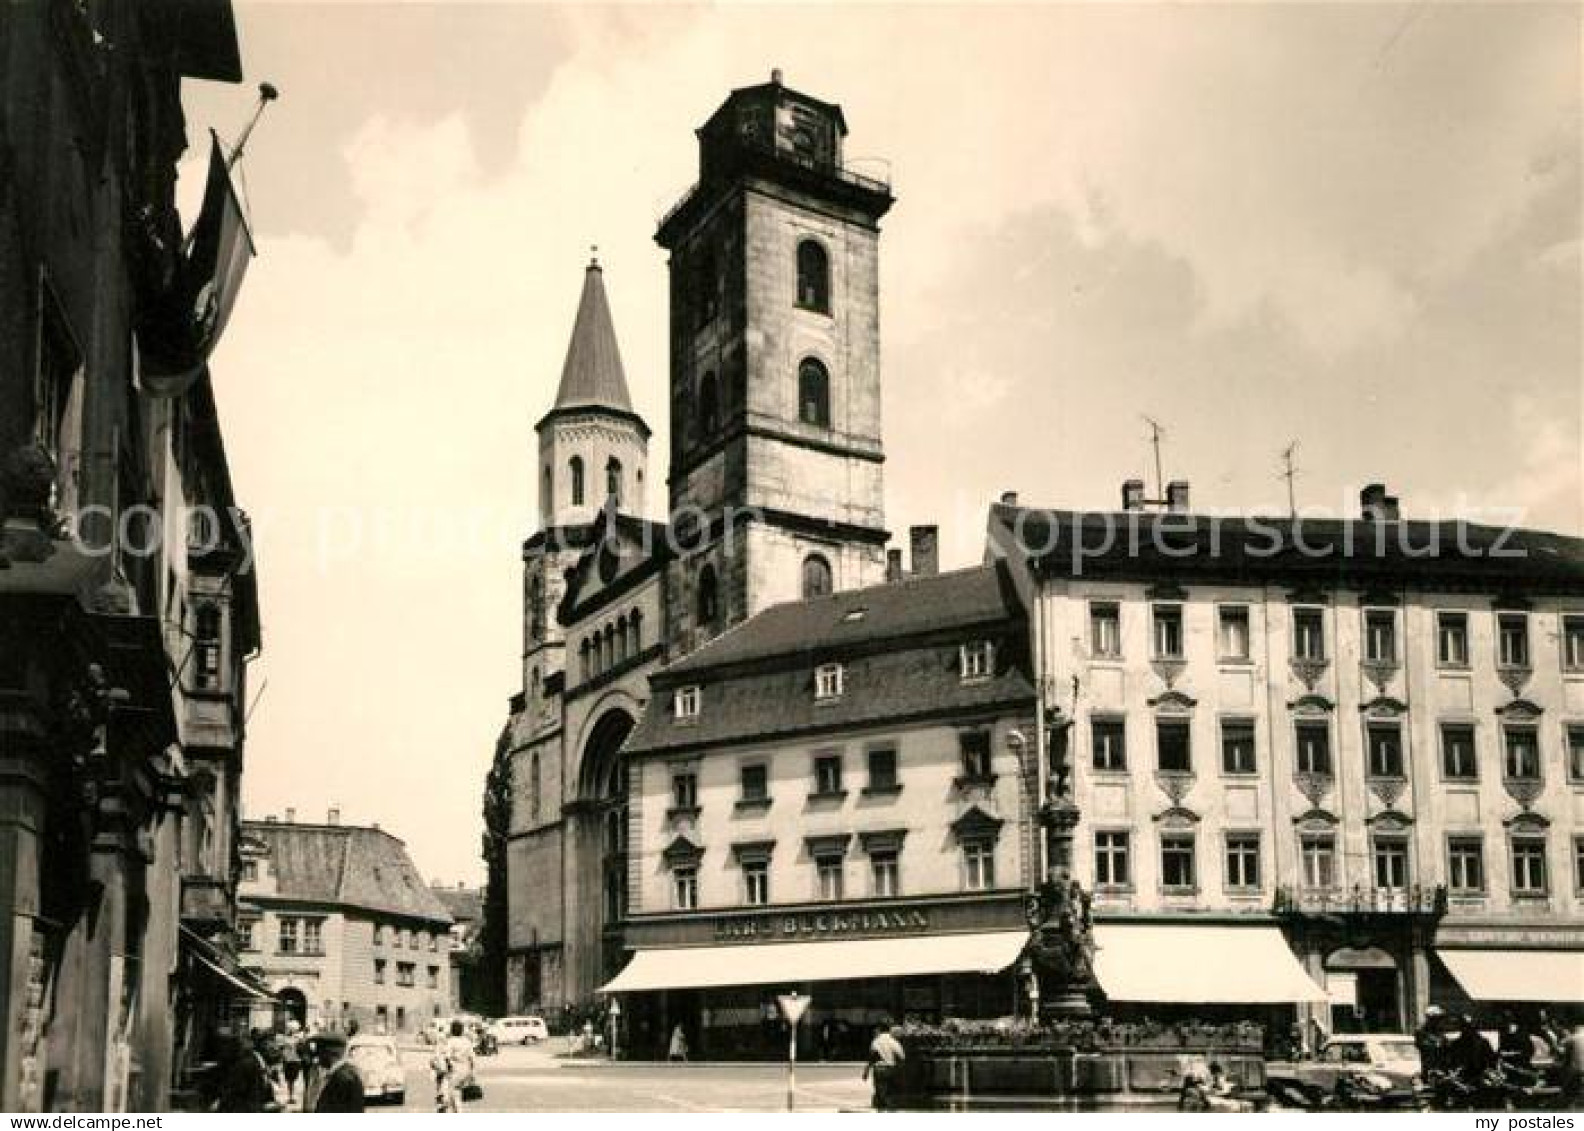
{"x":337,"y":921}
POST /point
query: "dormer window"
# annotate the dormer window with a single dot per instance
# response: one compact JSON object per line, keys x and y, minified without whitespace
{"x":686,"y":703}
{"x":977,"y":660}
{"x":828,"y":682}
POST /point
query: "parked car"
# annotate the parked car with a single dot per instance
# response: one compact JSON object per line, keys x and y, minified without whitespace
{"x":520,"y":1030}
{"x":380,"y":1065}
{"x":1375,"y":1070}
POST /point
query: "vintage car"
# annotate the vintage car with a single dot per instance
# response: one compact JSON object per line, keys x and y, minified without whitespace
{"x":520,"y":1030}
{"x":379,"y":1063}
{"x":1366,"y":1070}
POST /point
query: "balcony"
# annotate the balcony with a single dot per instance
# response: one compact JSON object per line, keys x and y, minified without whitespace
{"x":1361,"y":899}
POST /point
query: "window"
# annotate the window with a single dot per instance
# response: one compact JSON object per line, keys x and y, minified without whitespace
{"x":206,"y":648}
{"x":379,"y":971}
{"x":1512,"y":640}
{"x":709,"y":407}
{"x":756,"y":883}
{"x":828,"y":774}
{"x":755,"y":782}
{"x":975,"y":745}
{"x":1177,"y":860}
{"x":250,"y":871}
{"x":1385,"y":750}
{"x":1105,"y":630}
{"x":1172,"y":747}
{"x":535,"y":787}
{"x":1111,"y":860}
{"x":882,"y":769}
{"x":404,"y":973}
{"x":684,"y":790}
{"x":575,"y":467}
{"x":814,"y":394}
{"x":1234,"y":632}
{"x":1308,"y":634}
{"x":434,"y":941}
{"x":313,"y":936}
{"x":813,"y":277}
{"x":976,"y":660}
{"x":706,"y":287}
{"x":1317,"y":854}
{"x":686,"y":702}
{"x":249,"y":930}
{"x":613,"y":480}
{"x":287,"y":941}
{"x":1314,"y":747}
{"x":1523,"y":753}
{"x":1573,"y":643}
{"x":1528,"y":866}
{"x":1578,"y":863}
{"x":1457,"y":752}
{"x":828,"y":681}
{"x":1380,"y":636}
{"x":1237,"y":746}
{"x":434,"y":977}
{"x":1466,"y":864}
{"x":1109,"y":738}
{"x":1390,"y":858}
{"x":684,"y":888}
{"x":1168,"y":632}
{"x":1452,"y":640}
{"x":635,"y":630}
{"x":829,"y":873}
{"x":1243,"y":860}
{"x":978,"y":865}
{"x":816,"y":577}
{"x":708,"y":598}
{"x":884,"y":874}
{"x":1575,"y":746}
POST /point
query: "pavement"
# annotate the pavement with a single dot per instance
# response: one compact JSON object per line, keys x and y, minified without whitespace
{"x":540,"y":1078}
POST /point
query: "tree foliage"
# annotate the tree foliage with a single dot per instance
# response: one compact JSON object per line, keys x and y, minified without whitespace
{"x":492,"y":939}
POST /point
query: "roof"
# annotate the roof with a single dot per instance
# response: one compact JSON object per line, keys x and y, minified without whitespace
{"x":1312,"y":551}
{"x":592,"y":375}
{"x":933,"y":603}
{"x":466,"y":905}
{"x":359,"y":867}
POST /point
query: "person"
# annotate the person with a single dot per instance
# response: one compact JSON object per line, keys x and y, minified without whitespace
{"x":291,"y":1058}
{"x":452,"y":1065}
{"x":245,"y":1086}
{"x":679,"y":1048}
{"x":1514,"y":1048}
{"x":1571,"y":1054}
{"x":337,"y":1086}
{"x":1430,"y":1040}
{"x":886,"y":1055}
{"x":1470,"y":1054}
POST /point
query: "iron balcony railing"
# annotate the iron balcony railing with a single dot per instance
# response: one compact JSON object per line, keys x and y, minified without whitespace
{"x":1416,"y":899}
{"x":764,"y":153}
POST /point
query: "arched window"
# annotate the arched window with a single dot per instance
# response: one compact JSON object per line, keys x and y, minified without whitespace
{"x":610,"y":646}
{"x":708,"y":598}
{"x":813,"y":277}
{"x":585,"y":664}
{"x":576,"y":469}
{"x":621,"y":638}
{"x":709,"y":407}
{"x":546,"y":495}
{"x":613,"y":480}
{"x":536,"y":606}
{"x":813,"y":394}
{"x":816,"y":576}
{"x":533,"y":688}
{"x":635,"y":625}
{"x":535,"y":788}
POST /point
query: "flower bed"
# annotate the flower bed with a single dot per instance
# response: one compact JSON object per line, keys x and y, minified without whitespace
{"x":1085,"y":1036}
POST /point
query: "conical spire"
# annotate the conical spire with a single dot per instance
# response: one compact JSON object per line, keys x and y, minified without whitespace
{"x":592,"y":375}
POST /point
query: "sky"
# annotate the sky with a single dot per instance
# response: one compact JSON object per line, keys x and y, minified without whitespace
{"x":1351,"y":226}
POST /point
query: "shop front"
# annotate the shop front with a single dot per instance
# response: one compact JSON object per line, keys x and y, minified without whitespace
{"x":1491,"y":971}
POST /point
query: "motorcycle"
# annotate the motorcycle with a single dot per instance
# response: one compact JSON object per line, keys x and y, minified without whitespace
{"x":485,"y":1043}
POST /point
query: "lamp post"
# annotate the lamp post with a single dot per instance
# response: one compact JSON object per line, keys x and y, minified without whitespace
{"x":615,"y":1025}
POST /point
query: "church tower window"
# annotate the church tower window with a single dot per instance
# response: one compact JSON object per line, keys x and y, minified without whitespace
{"x":709,"y":407}
{"x":613,"y":480}
{"x":708,"y":598}
{"x":814,"y":394}
{"x":816,"y":577}
{"x":575,"y":468}
{"x":813,"y":277}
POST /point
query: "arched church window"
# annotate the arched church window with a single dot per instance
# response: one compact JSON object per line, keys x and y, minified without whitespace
{"x":635,"y":626}
{"x":535,"y":788}
{"x":709,"y":407}
{"x":613,"y":480}
{"x":708,"y":598}
{"x":610,"y":645}
{"x":575,"y":467}
{"x":585,"y":664}
{"x":622,"y":651}
{"x":816,"y":576}
{"x":814,"y":393}
{"x":546,"y":495}
{"x":813,"y":277}
{"x":536,"y":606}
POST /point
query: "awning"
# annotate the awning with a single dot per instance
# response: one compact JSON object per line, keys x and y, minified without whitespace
{"x":1518,"y":975}
{"x":201,"y":952}
{"x":702,"y":967}
{"x":1169,"y":962}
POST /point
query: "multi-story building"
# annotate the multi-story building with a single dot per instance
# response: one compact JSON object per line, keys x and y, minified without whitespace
{"x":1365,"y":735}
{"x":337,"y":921}
{"x":465,"y":905}
{"x":128,"y":606}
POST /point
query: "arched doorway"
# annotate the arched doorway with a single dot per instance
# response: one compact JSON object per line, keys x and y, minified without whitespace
{"x":602,"y":838}
{"x":1365,"y":990}
{"x":295,"y":1004}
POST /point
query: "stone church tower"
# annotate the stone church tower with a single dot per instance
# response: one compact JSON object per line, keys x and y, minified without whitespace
{"x":776,"y":455}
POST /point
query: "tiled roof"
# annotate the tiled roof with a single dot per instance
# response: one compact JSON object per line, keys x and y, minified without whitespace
{"x":934,"y":603}
{"x":350,"y":865}
{"x":1317,"y":551}
{"x":466,"y":905}
{"x":592,"y":376}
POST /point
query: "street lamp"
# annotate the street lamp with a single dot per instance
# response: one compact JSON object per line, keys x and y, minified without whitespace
{"x":615,"y":1024}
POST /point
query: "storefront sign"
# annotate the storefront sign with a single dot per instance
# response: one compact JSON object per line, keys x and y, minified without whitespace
{"x":792,"y":925}
{"x":1508,"y":936}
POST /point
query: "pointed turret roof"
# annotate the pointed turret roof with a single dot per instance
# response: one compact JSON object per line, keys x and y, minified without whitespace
{"x":592,"y":375}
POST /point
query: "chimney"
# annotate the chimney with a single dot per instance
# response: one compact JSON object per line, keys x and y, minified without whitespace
{"x":894,"y":570}
{"x":1377,"y":505}
{"x":775,"y":75}
{"x":1177,"y":496}
{"x":1009,"y":498}
{"x":925,"y":544}
{"x":271,"y":819}
{"x":333,"y":817}
{"x":291,"y":815}
{"x":1133,"y":495}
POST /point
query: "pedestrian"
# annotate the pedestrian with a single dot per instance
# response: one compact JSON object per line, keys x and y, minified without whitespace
{"x":886,"y":1055}
{"x":1431,"y":1041}
{"x":679,"y":1044}
{"x":337,"y":1086}
{"x":452,"y":1065}
{"x":1571,"y":1054}
{"x":1470,"y":1054}
{"x":288,"y":1048}
{"x":244,"y":1086}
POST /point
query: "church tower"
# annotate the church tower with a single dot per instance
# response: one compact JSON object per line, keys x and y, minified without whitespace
{"x":593,"y":453}
{"x":776,"y":455}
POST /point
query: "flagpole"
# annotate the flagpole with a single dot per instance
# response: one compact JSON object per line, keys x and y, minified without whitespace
{"x":267,"y":94}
